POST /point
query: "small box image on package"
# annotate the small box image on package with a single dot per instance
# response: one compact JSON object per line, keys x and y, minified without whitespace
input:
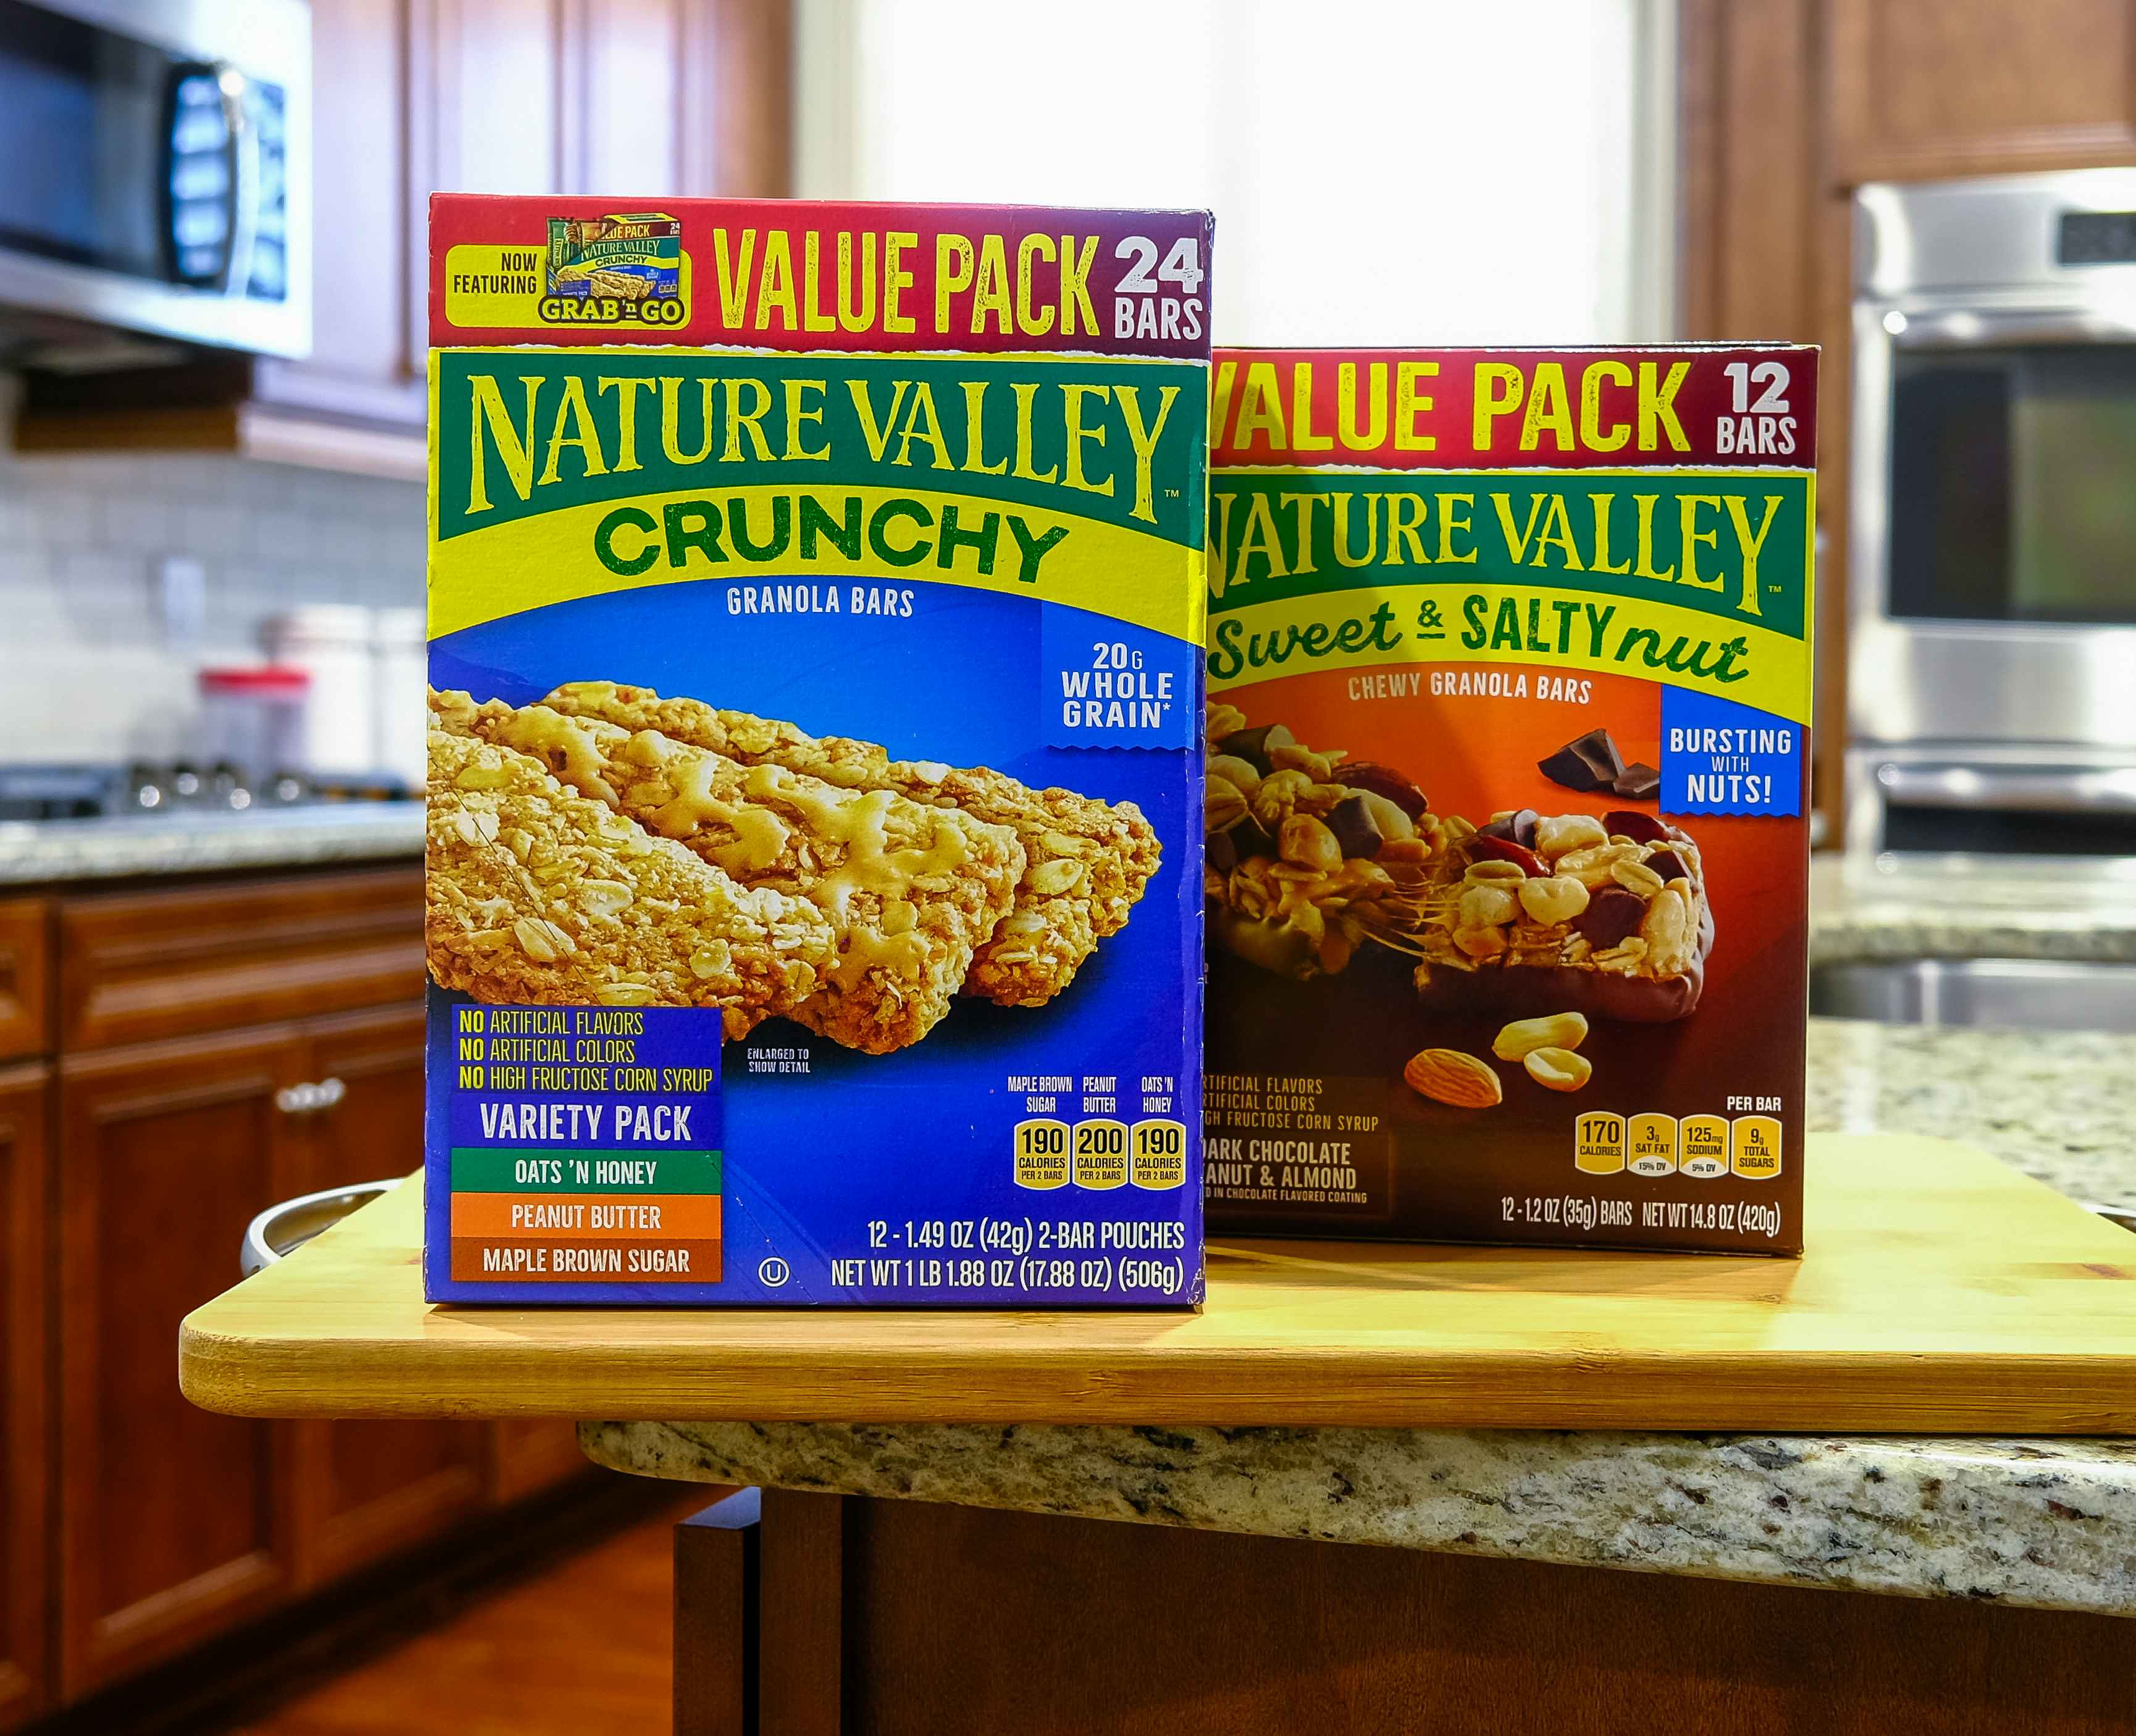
{"x":817,"y":604}
{"x":1506,"y":826}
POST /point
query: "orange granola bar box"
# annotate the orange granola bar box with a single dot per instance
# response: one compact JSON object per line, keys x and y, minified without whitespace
{"x":1507,"y":770}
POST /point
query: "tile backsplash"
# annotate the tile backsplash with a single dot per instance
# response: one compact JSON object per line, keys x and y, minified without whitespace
{"x":91,"y":665}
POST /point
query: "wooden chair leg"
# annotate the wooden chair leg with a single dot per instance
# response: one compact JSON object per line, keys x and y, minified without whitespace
{"x":760,"y":1625}
{"x":716,"y":1565}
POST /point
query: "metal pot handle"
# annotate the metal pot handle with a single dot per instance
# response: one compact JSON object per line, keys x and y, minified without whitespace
{"x":280,"y":1230}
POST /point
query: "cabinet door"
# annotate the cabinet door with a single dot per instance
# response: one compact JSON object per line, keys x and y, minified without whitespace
{"x":25,"y":1375}
{"x":365,"y":1489}
{"x":1927,"y":88}
{"x":361,"y":363}
{"x":172,"y":1522}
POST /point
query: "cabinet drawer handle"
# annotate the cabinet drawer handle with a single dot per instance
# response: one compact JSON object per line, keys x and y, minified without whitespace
{"x":311,"y":1097}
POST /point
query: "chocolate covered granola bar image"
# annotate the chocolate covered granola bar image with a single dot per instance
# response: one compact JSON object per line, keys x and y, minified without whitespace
{"x":1309,"y":856}
{"x":1086,"y":862}
{"x":911,"y":891}
{"x":536,"y":895}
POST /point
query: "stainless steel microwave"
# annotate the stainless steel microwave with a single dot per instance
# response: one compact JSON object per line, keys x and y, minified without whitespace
{"x":1992,"y":636}
{"x":155,"y":168}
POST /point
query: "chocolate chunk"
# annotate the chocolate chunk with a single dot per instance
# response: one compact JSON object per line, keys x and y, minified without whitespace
{"x":1485,"y":848}
{"x":1611,"y":915}
{"x":1223,"y":855}
{"x":1589,"y":762}
{"x":1628,"y":822}
{"x":1383,"y":780}
{"x":1354,"y":830}
{"x":1249,"y":840}
{"x":1668,"y":866}
{"x":1638,"y":782}
{"x":1254,"y":746}
{"x":1519,"y":827}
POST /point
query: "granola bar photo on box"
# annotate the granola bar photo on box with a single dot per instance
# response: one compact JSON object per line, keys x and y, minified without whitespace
{"x":1507,"y":844}
{"x":816,"y":607}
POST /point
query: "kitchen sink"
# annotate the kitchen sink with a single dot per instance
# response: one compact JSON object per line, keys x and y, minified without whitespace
{"x":2036,"y":994}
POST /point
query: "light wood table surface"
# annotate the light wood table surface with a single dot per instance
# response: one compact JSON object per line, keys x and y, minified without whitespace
{"x":1943,"y":1292}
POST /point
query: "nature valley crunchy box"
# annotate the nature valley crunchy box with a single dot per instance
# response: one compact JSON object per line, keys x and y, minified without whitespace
{"x":817,"y":606}
{"x":1509,"y":691}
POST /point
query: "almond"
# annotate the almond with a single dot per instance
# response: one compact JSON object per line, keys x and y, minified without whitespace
{"x":1447,"y":1076}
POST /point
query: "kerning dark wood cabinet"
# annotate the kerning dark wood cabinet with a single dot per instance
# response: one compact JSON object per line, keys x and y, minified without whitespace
{"x":363,"y":1490}
{"x":173,"y":1523}
{"x":180,"y":1022}
{"x":25,"y":1385}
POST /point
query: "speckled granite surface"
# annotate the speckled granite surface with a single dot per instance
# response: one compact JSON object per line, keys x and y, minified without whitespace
{"x":2082,"y":911}
{"x":65,"y":851}
{"x":2047,"y":1524}
{"x":2038,"y":1523}
{"x":2060,"y":1105}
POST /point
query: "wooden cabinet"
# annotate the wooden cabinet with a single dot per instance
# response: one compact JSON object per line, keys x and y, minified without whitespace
{"x":25,"y":1378}
{"x":364,"y":1490}
{"x":183,"y":1017}
{"x":26,"y":998}
{"x":173,"y":1523}
{"x":139,"y":965}
{"x":366,"y":359}
{"x":1922,"y":88}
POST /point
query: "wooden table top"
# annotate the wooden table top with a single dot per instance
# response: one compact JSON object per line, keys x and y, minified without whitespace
{"x":1943,"y":1292}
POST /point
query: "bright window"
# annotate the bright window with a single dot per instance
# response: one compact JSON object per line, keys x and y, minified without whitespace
{"x":1430,"y":173}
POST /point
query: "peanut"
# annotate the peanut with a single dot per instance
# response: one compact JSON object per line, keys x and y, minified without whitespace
{"x":1558,"y":898}
{"x":1524,"y":1036}
{"x":1485,"y":905}
{"x":1447,"y":1076}
{"x":1636,"y":877}
{"x":1223,"y":804}
{"x":1308,"y":843}
{"x":1239,"y":774}
{"x":1556,"y":834}
{"x":1558,"y":1069}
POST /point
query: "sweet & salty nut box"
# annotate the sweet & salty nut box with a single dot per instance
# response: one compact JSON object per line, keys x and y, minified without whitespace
{"x":816,"y":602}
{"x":1507,"y":845}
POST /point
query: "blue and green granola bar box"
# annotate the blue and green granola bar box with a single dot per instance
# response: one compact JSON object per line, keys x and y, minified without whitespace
{"x":817,"y":594}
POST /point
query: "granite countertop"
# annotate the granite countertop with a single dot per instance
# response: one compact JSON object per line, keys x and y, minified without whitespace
{"x":2048,"y":1524}
{"x":2013,"y":909}
{"x":35,"y":851}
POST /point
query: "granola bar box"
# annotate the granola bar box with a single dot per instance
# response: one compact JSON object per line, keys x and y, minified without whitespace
{"x":816,"y":607}
{"x":1507,"y":843}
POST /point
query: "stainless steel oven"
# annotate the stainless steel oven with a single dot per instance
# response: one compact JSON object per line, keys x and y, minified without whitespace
{"x":1991,"y":659}
{"x":155,"y":168}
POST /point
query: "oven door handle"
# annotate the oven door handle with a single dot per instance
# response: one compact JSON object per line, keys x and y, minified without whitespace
{"x":2059,"y":789}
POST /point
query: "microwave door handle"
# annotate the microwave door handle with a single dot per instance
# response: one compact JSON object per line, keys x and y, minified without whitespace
{"x":2034,"y":789}
{"x":244,"y":181}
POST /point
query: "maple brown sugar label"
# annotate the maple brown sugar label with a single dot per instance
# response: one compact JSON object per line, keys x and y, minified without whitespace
{"x":1505,"y":846}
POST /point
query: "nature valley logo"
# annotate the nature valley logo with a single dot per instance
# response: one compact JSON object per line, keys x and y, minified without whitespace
{"x":1697,"y":579}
